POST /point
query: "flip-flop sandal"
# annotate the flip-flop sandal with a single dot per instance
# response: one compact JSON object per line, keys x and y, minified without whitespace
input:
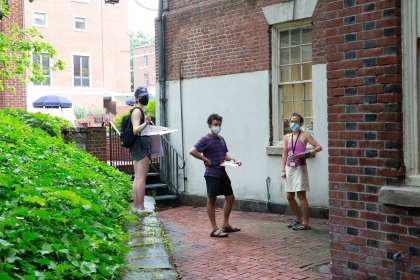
{"x":220,"y":234}
{"x":230,"y":229}
{"x":294,"y":223}
{"x":301,"y":227}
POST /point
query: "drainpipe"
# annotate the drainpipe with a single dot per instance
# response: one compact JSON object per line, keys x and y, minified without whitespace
{"x":161,"y":64}
{"x":395,"y":260}
{"x":267,"y":182}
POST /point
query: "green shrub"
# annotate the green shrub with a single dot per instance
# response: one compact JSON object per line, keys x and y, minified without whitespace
{"x":48,"y":123}
{"x":62,"y":211}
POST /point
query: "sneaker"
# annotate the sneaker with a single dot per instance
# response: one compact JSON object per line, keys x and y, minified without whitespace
{"x":139,"y":211}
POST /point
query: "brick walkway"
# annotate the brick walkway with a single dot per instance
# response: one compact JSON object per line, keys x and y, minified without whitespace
{"x":264,"y":249}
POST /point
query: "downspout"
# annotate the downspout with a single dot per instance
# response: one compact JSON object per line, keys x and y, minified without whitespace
{"x":161,"y":65}
{"x":182,"y":120}
{"x":395,"y":260}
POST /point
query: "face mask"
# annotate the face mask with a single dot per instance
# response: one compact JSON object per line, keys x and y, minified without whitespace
{"x":216,"y":129}
{"x":294,"y":126}
{"x":144,"y":100}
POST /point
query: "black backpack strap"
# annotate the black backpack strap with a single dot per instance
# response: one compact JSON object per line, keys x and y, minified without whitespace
{"x":142,"y":114}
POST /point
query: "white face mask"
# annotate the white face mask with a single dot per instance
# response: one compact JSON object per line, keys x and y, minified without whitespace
{"x":216,"y":129}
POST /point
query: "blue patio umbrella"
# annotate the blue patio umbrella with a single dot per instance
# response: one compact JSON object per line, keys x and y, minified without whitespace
{"x":52,"y":101}
{"x":132,"y":100}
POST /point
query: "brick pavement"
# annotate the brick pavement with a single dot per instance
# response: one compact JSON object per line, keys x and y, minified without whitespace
{"x":264,"y":249}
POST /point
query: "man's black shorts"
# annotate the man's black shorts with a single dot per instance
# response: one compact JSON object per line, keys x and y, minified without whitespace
{"x":218,"y":186}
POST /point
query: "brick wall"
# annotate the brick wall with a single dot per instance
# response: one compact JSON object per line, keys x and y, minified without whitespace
{"x":15,"y":99}
{"x":96,"y":142}
{"x":140,"y":68}
{"x":224,"y":37}
{"x":365,"y":142}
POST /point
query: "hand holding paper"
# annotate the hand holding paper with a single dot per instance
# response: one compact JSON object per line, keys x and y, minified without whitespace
{"x":230,"y":163}
{"x":300,"y":155}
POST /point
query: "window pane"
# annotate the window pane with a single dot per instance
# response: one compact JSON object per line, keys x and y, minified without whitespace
{"x":76,"y":82}
{"x":80,"y":23}
{"x":308,"y":91}
{"x":287,"y":92}
{"x":76,"y":66}
{"x":40,"y":19}
{"x":85,"y":82}
{"x":298,"y":92}
{"x":287,"y":109}
{"x":306,"y":53}
{"x":146,"y":60}
{"x":285,"y":73}
{"x":309,"y":125}
{"x":299,"y":107}
{"x":308,"y":109}
{"x":296,"y":72}
{"x":295,"y":54}
{"x":286,"y":124}
{"x":48,"y":81}
{"x":307,"y":71}
{"x":284,"y":56}
{"x":307,"y":35}
{"x":36,"y":57}
{"x":284,"y":39}
{"x":85,"y":66}
{"x":295,"y":37}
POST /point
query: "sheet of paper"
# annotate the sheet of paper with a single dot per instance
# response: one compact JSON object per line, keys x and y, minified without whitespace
{"x":300,"y":155}
{"x":161,"y":132}
{"x":229,"y":164}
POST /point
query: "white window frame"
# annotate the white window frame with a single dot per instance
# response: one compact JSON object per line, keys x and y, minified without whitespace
{"x":287,"y":14}
{"x":47,"y":76}
{"x":146,"y":60}
{"x":277,"y":117}
{"x":40,"y":25}
{"x":410,"y":12}
{"x":89,"y":68}
{"x":85,"y":22}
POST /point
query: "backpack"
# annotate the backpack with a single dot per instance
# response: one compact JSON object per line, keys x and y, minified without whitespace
{"x":127,"y":136}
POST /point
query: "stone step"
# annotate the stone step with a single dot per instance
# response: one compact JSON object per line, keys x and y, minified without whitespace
{"x":164,"y":197}
{"x":156,"y":185}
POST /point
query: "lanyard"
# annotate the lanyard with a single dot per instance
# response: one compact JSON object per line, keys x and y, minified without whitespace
{"x":294,"y":148}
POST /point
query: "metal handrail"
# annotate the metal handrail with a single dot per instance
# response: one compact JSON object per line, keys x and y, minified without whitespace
{"x":167,"y":166}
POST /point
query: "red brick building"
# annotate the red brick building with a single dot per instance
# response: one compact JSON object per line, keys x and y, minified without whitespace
{"x":144,"y":64}
{"x":91,"y":37}
{"x":351,"y":68}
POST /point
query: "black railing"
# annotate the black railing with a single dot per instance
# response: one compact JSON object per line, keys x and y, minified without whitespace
{"x":168,"y":166}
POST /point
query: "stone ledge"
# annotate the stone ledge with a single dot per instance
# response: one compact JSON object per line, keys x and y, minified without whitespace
{"x":400,"y":196}
{"x":274,"y":150}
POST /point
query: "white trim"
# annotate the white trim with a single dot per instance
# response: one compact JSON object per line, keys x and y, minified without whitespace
{"x":74,"y":24}
{"x":38,"y":25}
{"x":139,"y":55}
{"x":410,"y":12}
{"x":81,"y":1}
{"x":288,"y":11}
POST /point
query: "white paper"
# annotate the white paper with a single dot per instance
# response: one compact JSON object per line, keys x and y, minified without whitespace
{"x":230,"y":163}
{"x":161,"y":132}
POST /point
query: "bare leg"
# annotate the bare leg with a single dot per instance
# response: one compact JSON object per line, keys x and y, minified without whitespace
{"x":227,"y":208}
{"x":211,"y":201}
{"x":304,"y":206}
{"x":293,"y":204}
{"x":141,"y":167}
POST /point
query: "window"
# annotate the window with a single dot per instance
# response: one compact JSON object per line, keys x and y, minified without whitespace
{"x":40,"y":19}
{"x":80,"y":23}
{"x":44,"y":63}
{"x":81,"y":75}
{"x":292,"y":87}
{"x":146,"y":79}
{"x":146,"y":60}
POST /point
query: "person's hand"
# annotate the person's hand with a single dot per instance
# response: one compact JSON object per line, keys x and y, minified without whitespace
{"x":237,"y":162}
{"x":148,"y":118}
{"x":283,"y":174}
{"x":207,"y":162}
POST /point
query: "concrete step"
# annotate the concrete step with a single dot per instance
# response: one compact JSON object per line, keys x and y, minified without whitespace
{"x":164,"y":197}
{"x":157,"y":185}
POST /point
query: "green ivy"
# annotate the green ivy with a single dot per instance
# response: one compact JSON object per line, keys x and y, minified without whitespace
{"x":62,"y":210}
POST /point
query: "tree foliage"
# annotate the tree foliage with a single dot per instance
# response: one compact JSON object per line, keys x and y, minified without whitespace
{"x":16,"y":48}
{"x":138,"y":39}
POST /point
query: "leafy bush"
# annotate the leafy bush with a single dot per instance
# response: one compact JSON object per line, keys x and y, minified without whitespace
{"x":48,"y":123}
{"x":62,"y":211}
{"x":81,"y":112}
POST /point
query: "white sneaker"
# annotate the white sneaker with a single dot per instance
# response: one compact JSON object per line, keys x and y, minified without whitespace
{"x":139,"y":211}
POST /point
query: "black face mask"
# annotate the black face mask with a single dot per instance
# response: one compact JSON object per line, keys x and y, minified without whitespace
{"x":144,"y":100}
